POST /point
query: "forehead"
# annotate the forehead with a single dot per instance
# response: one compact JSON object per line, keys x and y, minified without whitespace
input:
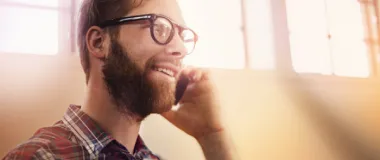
{"x":168,"y":8}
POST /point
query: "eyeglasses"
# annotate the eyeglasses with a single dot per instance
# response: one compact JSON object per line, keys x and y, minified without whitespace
{"x":162,"y":29}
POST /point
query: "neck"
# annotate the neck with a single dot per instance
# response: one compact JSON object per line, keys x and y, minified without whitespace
{"x":100,"y":107}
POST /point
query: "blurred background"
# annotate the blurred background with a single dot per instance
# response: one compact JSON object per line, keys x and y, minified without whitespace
{"x":298,"y":79}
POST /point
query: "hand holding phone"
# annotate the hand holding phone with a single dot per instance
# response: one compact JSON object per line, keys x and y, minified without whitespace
{"x":199,"y":111}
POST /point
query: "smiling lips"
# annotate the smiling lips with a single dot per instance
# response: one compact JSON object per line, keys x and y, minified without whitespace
{"x":165,"y":71}
{"x":167,"y":68}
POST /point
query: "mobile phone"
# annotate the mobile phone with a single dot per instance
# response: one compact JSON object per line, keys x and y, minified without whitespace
{"x":181,"y":86}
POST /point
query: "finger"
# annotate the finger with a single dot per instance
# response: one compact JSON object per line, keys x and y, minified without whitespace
{"x":186,"y":70}
{"x":196,"y":89}
{"x":205,"y":74}
{"x":196,"y":75}
{"x":204,"y":86}
{"x":192,"y":73}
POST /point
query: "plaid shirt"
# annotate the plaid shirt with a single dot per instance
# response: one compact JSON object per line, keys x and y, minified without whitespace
{"x":77,"y":136}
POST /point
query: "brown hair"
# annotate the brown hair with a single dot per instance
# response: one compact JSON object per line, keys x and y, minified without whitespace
{"x":93,"y":12}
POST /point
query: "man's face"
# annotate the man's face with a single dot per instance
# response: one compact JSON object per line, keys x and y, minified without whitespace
{"x":140,"y":74}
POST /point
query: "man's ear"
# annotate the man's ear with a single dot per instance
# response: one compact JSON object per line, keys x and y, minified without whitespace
{"x":96,"y":42}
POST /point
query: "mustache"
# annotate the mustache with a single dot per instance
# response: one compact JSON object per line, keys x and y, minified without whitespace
{"x":176,"y":62}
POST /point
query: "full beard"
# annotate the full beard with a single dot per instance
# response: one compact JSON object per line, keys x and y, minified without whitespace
{"x":133,"y":93}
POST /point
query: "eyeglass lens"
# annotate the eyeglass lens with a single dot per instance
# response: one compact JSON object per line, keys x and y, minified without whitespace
{"x":163,"y":28}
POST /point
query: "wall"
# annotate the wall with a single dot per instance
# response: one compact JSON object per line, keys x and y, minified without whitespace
{"x":269,"y":116}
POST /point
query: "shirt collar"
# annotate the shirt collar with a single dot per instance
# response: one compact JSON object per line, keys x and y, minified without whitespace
{"x":90,"y":134}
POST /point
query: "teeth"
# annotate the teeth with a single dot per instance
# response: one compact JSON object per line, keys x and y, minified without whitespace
{"x":166,"y":71}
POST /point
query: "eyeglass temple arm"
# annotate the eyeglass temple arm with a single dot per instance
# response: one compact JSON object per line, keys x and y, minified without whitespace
{"x":123,"y":20}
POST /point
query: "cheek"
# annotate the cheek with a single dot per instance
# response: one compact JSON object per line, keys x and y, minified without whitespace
{"x":140,"y":42}
{"x":143,"y":55}
{"x":146,"y":50}
{"x":140,"y":45}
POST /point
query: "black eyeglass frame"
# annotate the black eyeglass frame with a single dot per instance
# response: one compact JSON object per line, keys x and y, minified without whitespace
{"x":151,"y":18}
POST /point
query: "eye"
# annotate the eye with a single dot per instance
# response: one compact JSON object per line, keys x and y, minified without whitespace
{"x":162,"y":29}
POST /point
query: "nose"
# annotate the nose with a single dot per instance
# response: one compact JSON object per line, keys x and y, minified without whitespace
{"x":176,"y":47}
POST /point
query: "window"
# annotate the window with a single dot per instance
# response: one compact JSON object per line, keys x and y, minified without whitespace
{"x":220,"y":42}
{"x":259,"y":28}
{"x":33,"y":27}
{"x":74,"y":26}
{"x":331,"y":36}
{"x":41,"y":3}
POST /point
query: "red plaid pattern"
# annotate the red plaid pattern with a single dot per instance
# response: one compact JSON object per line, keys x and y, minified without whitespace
{"x":77,"y":137}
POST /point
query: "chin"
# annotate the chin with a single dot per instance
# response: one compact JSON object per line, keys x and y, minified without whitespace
{"x":164,"y":97}
{"x":162,"y":109}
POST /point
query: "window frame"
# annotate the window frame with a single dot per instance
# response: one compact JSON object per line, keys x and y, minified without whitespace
{"x":282,"y":50}
{"x":67,"y":10}
{"x":64,"y":21}
{"x":282,"y":40}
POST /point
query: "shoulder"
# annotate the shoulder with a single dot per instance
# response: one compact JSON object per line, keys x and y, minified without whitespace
{"x":46,"y":143}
